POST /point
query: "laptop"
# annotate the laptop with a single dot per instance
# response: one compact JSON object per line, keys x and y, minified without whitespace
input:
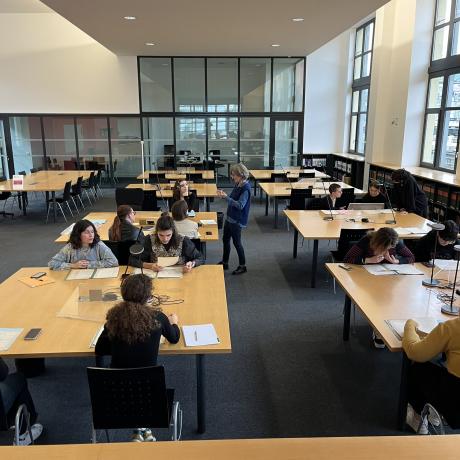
{"x":365,"y":206}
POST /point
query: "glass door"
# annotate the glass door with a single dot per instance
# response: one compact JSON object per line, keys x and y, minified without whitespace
{"x":285,"y":142}
{"x":4,"y":172}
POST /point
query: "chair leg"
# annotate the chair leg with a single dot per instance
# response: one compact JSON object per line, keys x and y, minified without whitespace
{"x":87,"y":196}
{"x":22,"y":414}
{"x":75,"y":204}
{"x":60,"y":207}
{"x":176,"y":422}
{"x":48,"y":212}
{"x":81,"y":201}
{"x":93,"y":435}
{"x":70,"y":210}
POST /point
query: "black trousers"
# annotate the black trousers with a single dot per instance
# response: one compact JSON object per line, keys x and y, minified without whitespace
{"x":233,"y":231}
{"x":434,"y":384}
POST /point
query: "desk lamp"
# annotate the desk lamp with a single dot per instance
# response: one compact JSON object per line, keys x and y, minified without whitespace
{"x":432,"y":282}
{"x":449,"y":309}
{"x":135,"y":250}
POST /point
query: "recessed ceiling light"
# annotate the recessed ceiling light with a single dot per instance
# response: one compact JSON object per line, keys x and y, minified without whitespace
{"x":129,"y":18}
{"x":275,"y":45}
{"x":298,"y":19}
{"x":150,"y":44}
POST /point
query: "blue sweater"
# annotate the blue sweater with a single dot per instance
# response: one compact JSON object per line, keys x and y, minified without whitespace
{"x":239,"y":202}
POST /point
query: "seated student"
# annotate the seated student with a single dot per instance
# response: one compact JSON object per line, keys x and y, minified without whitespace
{"x":429,"y":382}
{"x":332,"y":201}
{"x":407,"y":194}
{"x":166,"y":242}
{"x":83,"y":250}
{"x":447,"y":238}
{"x":374,"y":195}
{"x":133,"y":330}
{"x":122,"y":228}
{"x":181,"y":191}
{"x":184,"y":226}
{"x":13,"y":393}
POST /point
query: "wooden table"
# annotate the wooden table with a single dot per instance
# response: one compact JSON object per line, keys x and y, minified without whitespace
{"x":312,"y":226}
{"x":204,"y":191}
{"x":277,"y":190}
{"x":387,"y":297}
{"x":178,"y":174}
{"x":344,"y":448}
{"x":44,"y":181}
{"x":203,"y":292}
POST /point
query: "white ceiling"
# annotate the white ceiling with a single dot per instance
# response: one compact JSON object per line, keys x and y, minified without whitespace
{"x":213,"y":27}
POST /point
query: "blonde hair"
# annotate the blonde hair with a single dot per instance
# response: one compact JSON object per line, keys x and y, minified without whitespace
{"x":240,"y":170}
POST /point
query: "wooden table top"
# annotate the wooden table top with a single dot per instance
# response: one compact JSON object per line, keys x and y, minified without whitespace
{"x":389,"y":297}
{"x":344,"y":448}
{"x":203,"y":292}
{"x":424,"y":173}
{"x":178,"y":174}
{"x":283,"y":189}
{"x":261,"y":174}
{"x":46,"y":181}
{"x":141,"y":217}
{"x":311,"y":224}
{"x":202,"y":190}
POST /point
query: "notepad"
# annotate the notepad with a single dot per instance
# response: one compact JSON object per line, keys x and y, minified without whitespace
{"x":392,"y":269}
{"x":8,"y":335}
{"x":171,"y":272}
{"x":93,"y":273}
{"x":109,"y":272}
{"x":199,"y":335}
{"x":208,"y":222}
{"x":410,"y":231}
{"x":37,"y":282}
{"x":425,"y":325}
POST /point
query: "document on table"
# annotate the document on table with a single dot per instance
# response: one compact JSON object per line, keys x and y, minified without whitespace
{"x":425,"y":325}
{"x":167,"y":261}
{"x":83,"y":274}
{"x":392,"y":269}
{"x":446,"y":264}
{"x":8,"y":335}
{"x":199,"y":335}
{"x":208,"y":222}
{"x":92,"y":273}
{"x":109,"y":272}
{"x":410,"y":231}
{"x":171,"y":272}
{"x":146,"y":271}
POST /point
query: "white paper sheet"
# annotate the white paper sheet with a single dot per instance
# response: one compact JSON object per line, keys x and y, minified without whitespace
{"x":110,"y":272}
{"x":410,"y":231}
{"x":425,"y":325}
{"x":171,"y":272}
{"x":199,"y":335}
{"x":208,"y":222}
{"x":8,"y":336}
{"x":443,"y":264}
{"x":167,"y":261}
{"x":83,"y":274}
{"x":392,"y":269}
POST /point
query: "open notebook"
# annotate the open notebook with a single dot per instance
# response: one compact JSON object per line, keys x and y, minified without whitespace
{"x":392,"y":269}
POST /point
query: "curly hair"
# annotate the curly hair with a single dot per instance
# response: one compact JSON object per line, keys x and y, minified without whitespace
{"x":132,"y":320}
{"x":78,"y":229}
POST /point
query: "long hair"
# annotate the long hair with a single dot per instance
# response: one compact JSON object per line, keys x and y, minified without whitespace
{"x":123,"y":211}
{"x":179,"y":210}
{"x":78,"y":228}
{"x":164,"y":223}
{"x":133,"y":320}
{"x":383,"y":239}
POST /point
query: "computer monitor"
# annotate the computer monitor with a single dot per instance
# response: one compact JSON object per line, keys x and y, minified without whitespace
{"x":366,"y":206}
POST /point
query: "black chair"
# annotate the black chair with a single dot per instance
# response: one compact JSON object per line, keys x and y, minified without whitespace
{"x":64,"y":199}
{"x":316,"y":204}
{"x":348,"y":196}
{"x":298,"y":199}
{"x":348,"y":237}
{"x":90,"y":186}
{"x":306,"y":175}
{"x":155,"y":178}
{"x":120,"y":250}
{"x":33,"y":170}
{"x":77,"y":191}
{"x":131,"y":398}
{"x":132,"y":196}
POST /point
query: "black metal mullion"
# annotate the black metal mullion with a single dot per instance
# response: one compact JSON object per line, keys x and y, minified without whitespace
{"x":42,"y":130}
{"x":77,"y":148}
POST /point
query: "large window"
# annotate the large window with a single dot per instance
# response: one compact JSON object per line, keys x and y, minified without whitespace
{"x":362,"y":62}
{"x":442,"y":114}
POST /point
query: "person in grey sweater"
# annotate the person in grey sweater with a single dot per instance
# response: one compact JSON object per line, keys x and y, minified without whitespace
{"x":123,"y":229}
{"x":83,"y":250}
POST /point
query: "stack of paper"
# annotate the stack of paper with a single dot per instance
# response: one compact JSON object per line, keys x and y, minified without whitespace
{"x":8,"y":335}
{"x":199,"y":335}
{"x":425,"y":325}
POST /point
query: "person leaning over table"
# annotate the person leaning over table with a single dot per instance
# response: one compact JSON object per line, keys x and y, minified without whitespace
{"x":123,"y":229}
{"x":83,"y":250}
{"x":133,"y":329}
{"x":407,"y":194}
{"x":374,"y":194}
{"x":166,"y":242}
{"x":429,"y":382}
{"x":184,"y":226}
{"x":447,"y":239}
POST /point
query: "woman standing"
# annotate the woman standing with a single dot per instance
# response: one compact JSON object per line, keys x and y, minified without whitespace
{"x":122,"y":228}
{"x":239,"y":202}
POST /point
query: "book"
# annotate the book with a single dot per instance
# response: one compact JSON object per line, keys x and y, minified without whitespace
{"x":199,"y":335}
{"x":425,"y":325}
{"x":392,"y":269}
{"x":8,"y":335}
{"x":92,"y":273}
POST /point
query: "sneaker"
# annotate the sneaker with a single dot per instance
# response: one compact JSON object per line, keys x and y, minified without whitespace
{"x":240,"y":270}
{"x":414,"y":421}
{"x":137,"y":436}
{"x":24,"y":439}
{"x":378,"y":342}
{"x":433,"y":417}
{"x":148,"y":435}
{"x":225,"y":264}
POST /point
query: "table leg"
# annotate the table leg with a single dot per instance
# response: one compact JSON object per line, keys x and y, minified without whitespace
{"x":402,"y":404}
{"x":346,"y":318}
{"x":200,"y":393}
{"x":266,"y":204}
{"x":314,"y":263}
{"x":208,"y":204}
{"x":203,"y":249}
{"x":24,"y":200}
{"x":255,"y":187}
{"x":296,"y":241}
{"x":53,"y":197}
{"x":276,"y":212}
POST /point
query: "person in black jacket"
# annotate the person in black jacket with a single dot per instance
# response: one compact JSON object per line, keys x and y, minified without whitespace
{"x":447,"y":238}
{"x":407,"y":194}
{"x":132,"y":332}
{"x":374,"y":194}
{"x":332,"y":201}
{"x":123,"y":229}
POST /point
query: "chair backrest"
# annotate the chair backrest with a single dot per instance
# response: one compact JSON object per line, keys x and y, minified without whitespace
{"x":316,"y":204}
{"x":22,"y":173}
{"x":348,"y":196}
{"x":76,"y":188}
{"x":99,"y":177}
{"x":132,"y":196}
{"x":67,"y":189}
{"x":127,"y":398}
{"x":91,"y":164}
{"x":120,"y":250}
{"x":307,"y":175}
{"x":348,"y":237}
{"x":92,"y":180}
{"x":70,"y":165}
{"x":299,"y":197}
{"x":214,"y":154}
{"x":33,"y":170}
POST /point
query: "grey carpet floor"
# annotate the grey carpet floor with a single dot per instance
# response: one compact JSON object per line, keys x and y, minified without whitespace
{"x":289,"y":374}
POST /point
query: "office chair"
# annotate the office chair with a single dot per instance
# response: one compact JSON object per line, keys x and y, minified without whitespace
{"x":120,"y":250}
{"x":64,"y":199}
{"x":77,"y":191}
{"x":90,"y":186}
{"x":306,"y":175}
{"x":348,"y":196}
{"x":132,"y":196}
{"x":5,"y":196}
{"x":298,"y":200}
{"x":130,"y":398}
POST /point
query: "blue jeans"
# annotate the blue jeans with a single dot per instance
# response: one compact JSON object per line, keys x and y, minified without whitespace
{"x":233,"y":231}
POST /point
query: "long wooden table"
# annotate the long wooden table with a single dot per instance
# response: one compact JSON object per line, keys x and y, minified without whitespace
{"x":204,"y":191}
{"x":44,"y":181}
{"x":344,"y":448}
{"x":312,"y":226}
{"x":387,"y":297}
{"x":144,"y":218}
{"x":204,"y":301}
{"x":178,"y":174}
{"x":278,"y":190}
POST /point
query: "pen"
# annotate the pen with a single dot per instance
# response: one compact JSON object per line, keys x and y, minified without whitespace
{"x":196,"y":337}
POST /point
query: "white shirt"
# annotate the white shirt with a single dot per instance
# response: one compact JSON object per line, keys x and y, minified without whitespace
{"x":187,"y":227}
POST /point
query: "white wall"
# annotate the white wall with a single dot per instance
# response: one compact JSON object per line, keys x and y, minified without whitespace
{"x":326,"y":92}
{"x":47,"y":65}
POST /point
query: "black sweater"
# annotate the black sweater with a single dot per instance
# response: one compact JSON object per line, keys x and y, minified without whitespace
{"x":380,"y":198}
{"x":129,"y":232}
{"x":424,"y":249}
{"x":409,"y":196}
{"x":140,"y":354}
